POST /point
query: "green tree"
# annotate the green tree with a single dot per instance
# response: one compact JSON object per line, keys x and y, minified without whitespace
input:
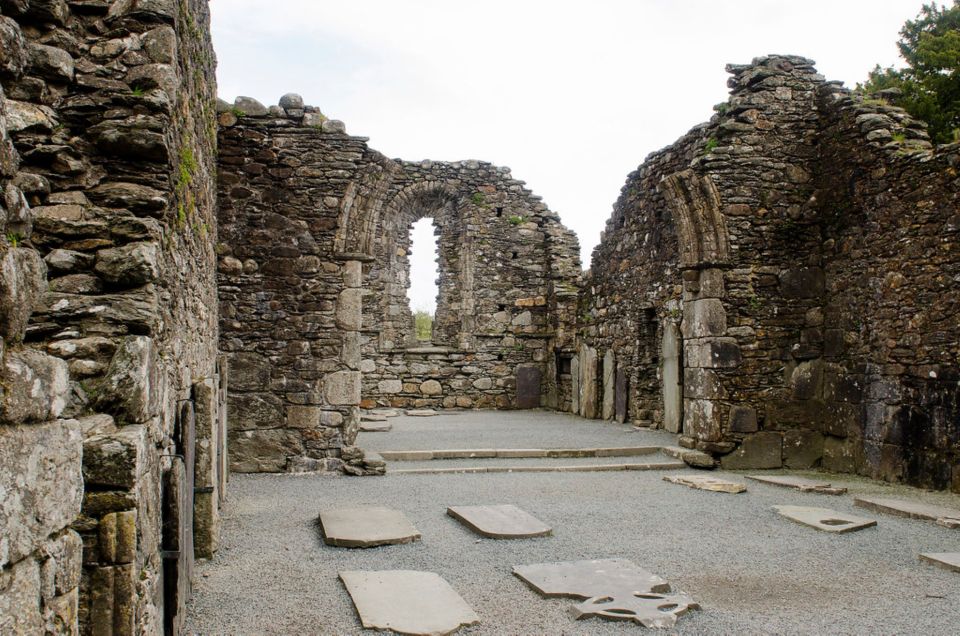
{"x":930,"y":84}
{"x":423,"y":320}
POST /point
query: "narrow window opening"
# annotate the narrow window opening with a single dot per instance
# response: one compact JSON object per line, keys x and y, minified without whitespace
{"x":499,"y":211}
{"x":424,"y":274}
{"x":514,"y":256}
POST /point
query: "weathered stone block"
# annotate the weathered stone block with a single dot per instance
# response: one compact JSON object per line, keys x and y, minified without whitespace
{"x":703,"y":384}
{"x":20,"y":599}
{"x":760,"y":450}
{"x":13,"y":48}
{"x":304,"y":416}
{"x":116,"y":459}
{"x":118,"y":537}
{"x":65,"y":553}
{"x":807,"y":380}
{"x":609,"y":376}
{"x":483,"y":384}
{"x":130,"y":265}
{"x":842,"y":455}
{"x":249,"y":371}
{"x":352,"y":273}
{"x":22,"y":284}
{"x":716,"y":353}
{"x":390,"y":386}
{"x":41,"y":480}
{"x":342,"y":388}
{"x":33,"y":387}
{"x":130,"y":389}
{"x":802,"y":449}
{"x":51,"y":63}
{"x":704,"y":318}
{"x":701,"y":419}
{"x":263,"y":451}
{"x":247,"y":411}
{"x":113,"y":599}
{"x":802,"y":282}
{"x":743,"y":419}
{"x":588,"y":382}
{"x":431,"y":387}
{"x":349,"y":309}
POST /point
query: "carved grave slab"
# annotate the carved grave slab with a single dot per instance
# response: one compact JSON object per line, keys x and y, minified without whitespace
{"x":528,"y":387}
{"x":702,"y":482}
{"x":500,"y":522}
{"x":614,"y":589}
{"x":911,"y":509}
{"x":799,"y":483}
{"x":407,"y":602}
{"x":825,"y":519}
{"x":947,"y":560}
{"x":366,"y":527}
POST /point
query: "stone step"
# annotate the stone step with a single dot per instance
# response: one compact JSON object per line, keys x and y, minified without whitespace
{"x":518,"y":453}
{"x":542,"y":468}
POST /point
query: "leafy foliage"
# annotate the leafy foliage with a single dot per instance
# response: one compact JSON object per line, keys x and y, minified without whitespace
{"x":423,"y":321}
{"x":930,"y":84}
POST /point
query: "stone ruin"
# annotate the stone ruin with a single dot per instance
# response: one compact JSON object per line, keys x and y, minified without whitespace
{"x":780,"y":287}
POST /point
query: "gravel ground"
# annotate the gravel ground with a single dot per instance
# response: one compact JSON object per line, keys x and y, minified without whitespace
{"x":752,"y":571}
{"x":508,"y":429}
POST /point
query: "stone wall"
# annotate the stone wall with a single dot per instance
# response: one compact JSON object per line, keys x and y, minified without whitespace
{"x":891,"y":222}
{"x":759,"y":243}
{"x":314,"y":272}
{"x":503,"y":256}
{"x":110,"y":107}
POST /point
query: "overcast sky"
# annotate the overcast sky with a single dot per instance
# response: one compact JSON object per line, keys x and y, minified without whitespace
{"x":571,"y":95}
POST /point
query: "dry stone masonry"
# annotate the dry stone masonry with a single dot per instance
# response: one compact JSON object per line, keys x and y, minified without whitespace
{"x":108,"y":152}
{"x":780,"y":287}
{"x":314,"y":270}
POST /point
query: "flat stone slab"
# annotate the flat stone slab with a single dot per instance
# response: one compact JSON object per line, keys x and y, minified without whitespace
{"x":407,"y":602}
{"x":946,"y":517}
{"x":799,"y":483}
{"x":376,"y":427}
{"x":373,"y":417}
{"x":825,"y":519}
{"x":366,"y":527}
{"x":386,"y":412}
{"x":421,"y":413}
{"x":947,"y":560}
{"x":614,"y":589}
{"x":702,"y":482}
{"x":504,"y":521}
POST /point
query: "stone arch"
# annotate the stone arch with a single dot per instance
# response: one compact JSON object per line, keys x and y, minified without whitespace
{"x":417,"y":200}
{"x":702,"y":230}
{"x":359,"y":213}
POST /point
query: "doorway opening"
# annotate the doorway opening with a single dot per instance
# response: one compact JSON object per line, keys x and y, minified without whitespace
{"x":423,"y":290}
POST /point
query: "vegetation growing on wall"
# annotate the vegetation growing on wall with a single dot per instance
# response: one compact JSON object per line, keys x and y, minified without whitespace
{"x":929,"y":86}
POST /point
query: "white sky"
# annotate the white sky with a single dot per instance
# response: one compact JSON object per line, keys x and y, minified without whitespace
{"x":571,"y":95}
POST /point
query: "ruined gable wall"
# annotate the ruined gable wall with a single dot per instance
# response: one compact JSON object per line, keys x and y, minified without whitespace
{"x":709,"y":234}
{"x":890,"y":216}
{"x":111,"y":113}
{"x":289,"y":297}
{"x":501,"y":255}
{"x":314,"y":243}
{"x":814,"y":243}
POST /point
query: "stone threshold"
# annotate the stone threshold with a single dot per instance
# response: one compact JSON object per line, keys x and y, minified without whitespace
{"x":519,"y":453}
{"x":586,"y":468}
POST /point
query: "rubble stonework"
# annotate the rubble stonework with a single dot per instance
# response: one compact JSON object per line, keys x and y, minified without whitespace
{"x":802,"y":243}
{"x":314,"y":270}
{"x":779,"y":287}
{"x":108,"y":148}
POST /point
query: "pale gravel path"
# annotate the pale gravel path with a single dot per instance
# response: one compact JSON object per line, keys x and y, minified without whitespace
{"x":753,"y":572}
